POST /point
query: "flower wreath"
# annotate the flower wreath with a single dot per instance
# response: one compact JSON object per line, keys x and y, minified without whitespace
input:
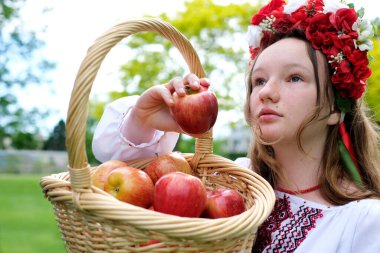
{"x":332,"y":27}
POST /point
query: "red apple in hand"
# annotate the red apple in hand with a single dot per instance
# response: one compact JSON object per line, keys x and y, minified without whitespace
{"x":130,"y":185}
{"x":222,"y":202}
{"x":197,"y":111}
{"x":167,"y":163}
{"x":180,"y":194}
{"x":99,"y":177}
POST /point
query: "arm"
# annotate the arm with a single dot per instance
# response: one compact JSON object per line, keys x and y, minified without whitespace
{"x":136,"y":127}
{"x":109,"y":142}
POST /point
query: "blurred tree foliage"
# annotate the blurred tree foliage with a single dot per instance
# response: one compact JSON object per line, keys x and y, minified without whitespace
{"x":373,"y":90}
{"x":19,"y":127}
{"x":91,"y":124}
{"x":57,"y":139}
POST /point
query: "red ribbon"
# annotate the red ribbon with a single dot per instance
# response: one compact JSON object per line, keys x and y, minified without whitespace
{"x":347,"y":142}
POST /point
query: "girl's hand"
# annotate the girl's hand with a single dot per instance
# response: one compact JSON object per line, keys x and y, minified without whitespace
{"x":152,"y":109}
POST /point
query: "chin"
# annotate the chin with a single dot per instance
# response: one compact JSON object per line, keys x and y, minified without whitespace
{"x":271,"y":141}
{"x":269,"y":136}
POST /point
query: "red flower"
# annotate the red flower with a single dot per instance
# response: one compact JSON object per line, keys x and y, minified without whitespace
{"x":343,"y":83}
{"x":330,"y":51}
{"x":343,"y":41}
{"x":358,"y":57}
{"x":362,"y":72}
{"x":343,"y":20}
{"x":285,"y":24}
{"x":318,"y":30}
{"x":267,"y":10}
{"x":314,"y":6}
{"x":254,"y":52}
{"x":344,"y":67}
{"x":299,"y":14}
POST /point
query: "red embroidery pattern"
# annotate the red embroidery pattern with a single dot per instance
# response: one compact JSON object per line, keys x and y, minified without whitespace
{"x":284,"y":231}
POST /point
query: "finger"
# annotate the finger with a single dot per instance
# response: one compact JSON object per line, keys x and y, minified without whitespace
{"x":166,"y":94}
{"x":170,"y":84}
{"x":205,"y":82}
{"x":193,"y":81}
{"x":177,"y":85}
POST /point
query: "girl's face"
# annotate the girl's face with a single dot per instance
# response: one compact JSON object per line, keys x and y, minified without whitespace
{"x":284,"y":94}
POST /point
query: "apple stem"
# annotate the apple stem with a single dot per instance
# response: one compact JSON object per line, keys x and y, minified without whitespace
{"x":190,"y":91}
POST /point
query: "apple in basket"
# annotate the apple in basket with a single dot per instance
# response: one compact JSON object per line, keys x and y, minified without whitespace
{"x":222,"y":203}
{"x":163,"y":164}
{"x":179,"y":194}
{"x":196,"y":112}
{"x":99,"y":177}
{"x":130,"y":185}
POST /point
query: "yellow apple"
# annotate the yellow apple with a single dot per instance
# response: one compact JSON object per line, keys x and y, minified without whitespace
{"x":101,"y":173}
{"x":130,"y":185}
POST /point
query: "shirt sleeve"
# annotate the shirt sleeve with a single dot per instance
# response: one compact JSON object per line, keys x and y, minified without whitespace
{"x":243,"y":161}
{"x":110,"y":144}
{"x":367,"y":234}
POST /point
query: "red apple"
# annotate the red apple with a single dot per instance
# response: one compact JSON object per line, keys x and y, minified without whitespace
{"x":130,"y":185}
{"x":180,"y":194}
{"x":99,"y":177}
{"x":222,"y":202}
{"x":166,"y":163}
{"x":197,"y":111}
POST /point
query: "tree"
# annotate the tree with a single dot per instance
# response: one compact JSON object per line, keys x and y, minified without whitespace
{"x":57,"y":139}
{"x":18,"y":68}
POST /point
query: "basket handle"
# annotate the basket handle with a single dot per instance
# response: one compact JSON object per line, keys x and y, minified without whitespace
{"x":78,"y":107}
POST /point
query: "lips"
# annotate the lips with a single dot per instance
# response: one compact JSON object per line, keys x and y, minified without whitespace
{"x":267,"y":111}
{"x":267,"y":114}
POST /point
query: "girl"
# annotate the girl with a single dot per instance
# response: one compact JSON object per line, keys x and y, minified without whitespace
{"x":313,"y":141}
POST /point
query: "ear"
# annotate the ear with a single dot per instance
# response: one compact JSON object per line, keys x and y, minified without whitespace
{"x":334,"y":118}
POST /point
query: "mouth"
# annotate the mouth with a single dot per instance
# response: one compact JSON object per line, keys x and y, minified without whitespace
{"x":267,"y":114}
{"x":267,"y":111}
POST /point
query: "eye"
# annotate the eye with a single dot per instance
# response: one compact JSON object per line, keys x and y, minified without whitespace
{"x":295,"y":78}
{"x":258,"y":82}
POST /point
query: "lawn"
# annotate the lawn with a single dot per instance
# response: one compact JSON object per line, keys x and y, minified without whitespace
{"x":27,"y":221}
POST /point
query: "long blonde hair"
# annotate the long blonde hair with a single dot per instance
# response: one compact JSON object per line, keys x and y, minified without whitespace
{"x":363,"y":131}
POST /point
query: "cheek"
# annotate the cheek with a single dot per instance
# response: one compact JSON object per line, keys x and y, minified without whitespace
{"x":253,"y":103}
{"x":300,"y":110}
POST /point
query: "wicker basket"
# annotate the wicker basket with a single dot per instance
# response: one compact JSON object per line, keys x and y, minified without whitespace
{"x":90,"y":220}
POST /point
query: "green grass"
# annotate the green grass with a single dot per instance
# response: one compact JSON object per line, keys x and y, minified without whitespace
{"x":27,"y":221}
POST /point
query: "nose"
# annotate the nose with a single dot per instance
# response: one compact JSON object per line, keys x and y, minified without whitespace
{"x":270,"y":91}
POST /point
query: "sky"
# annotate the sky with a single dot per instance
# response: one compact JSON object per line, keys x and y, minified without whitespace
{"x":71,"y":26}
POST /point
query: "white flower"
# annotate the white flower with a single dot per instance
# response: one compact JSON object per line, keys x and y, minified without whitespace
{"x":333,"y":6}
{"x":294,"y":5}
{"x":365,"y":32}
{"x":266,"y":24}
{"x":254,"y":35}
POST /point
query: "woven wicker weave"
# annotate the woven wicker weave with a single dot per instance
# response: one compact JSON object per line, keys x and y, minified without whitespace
{"x":90,"y":220}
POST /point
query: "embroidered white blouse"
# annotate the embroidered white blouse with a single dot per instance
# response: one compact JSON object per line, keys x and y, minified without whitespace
{"x":295,"y":225}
